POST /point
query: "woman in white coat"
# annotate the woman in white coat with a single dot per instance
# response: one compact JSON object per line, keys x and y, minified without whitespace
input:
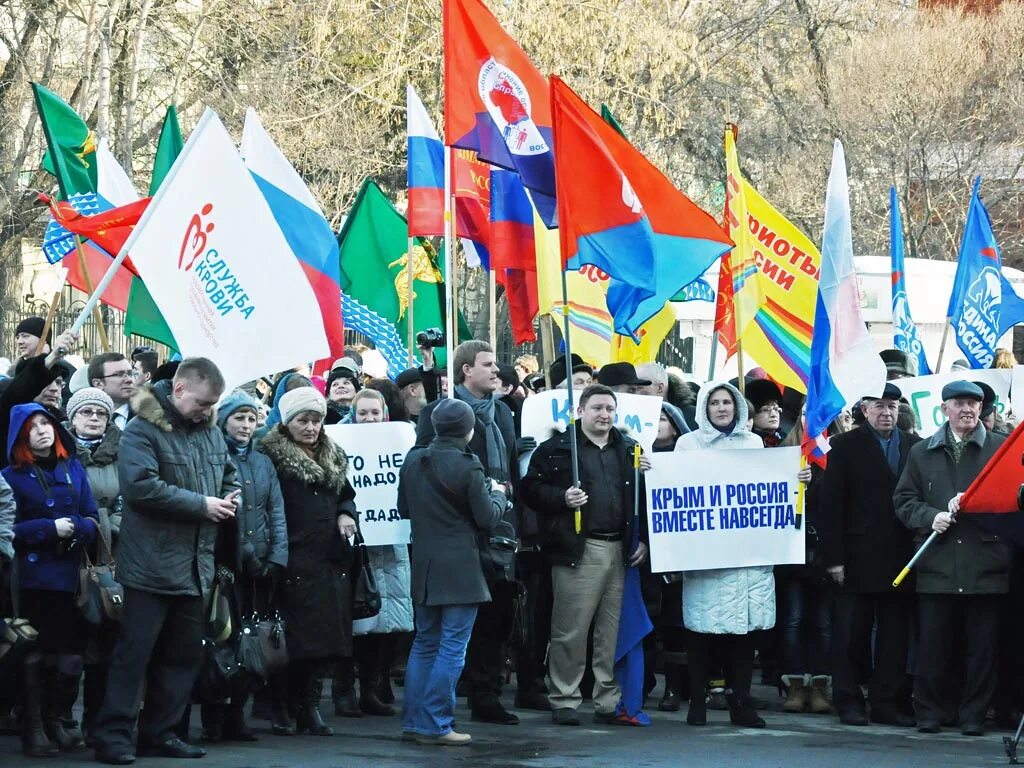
{"x":721,"y":607}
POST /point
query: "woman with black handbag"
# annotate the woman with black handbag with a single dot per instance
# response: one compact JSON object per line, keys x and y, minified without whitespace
{"x":374,"y":645}
{"x":255,"y":549}
{"x":56,"y":517}
{"x":321,"y":517}
{"x":97,"y":438}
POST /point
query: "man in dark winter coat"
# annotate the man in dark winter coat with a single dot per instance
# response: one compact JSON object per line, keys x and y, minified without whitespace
{"x":962,"y":575}
{"x":864,"y":545}
{"x":586,"y":532}
{"x":494,"y":443}
{"x":178,"y":484}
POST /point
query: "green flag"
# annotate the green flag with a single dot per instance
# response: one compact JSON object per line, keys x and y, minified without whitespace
{"x":608,"y":117}
{"x":142,"y":316}
{"x":373,"y":244}
{"x":71,"y":146}
{"x":167,"y":149}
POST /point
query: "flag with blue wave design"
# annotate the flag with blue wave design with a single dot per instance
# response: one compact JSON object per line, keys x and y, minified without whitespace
{"x":904,"y":330}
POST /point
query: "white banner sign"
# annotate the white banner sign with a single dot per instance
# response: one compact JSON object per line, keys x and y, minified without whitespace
{"x":219,"y":267}
{"x":376,"y":453}
{"x":723,"y":509}
{"x":546,"y":413}
{"x":924,"y":393}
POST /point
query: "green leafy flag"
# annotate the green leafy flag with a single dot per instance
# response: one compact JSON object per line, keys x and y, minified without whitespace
{"x":373,"y":244}
{"x":142,"y":317}
{"x":71,"y":146}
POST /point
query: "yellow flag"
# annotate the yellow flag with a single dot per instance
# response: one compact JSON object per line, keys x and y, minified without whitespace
{"x":747,"y":294}
{"x":788,"y":265}
{"x":652,"y":333}
{"x":590,"y":325}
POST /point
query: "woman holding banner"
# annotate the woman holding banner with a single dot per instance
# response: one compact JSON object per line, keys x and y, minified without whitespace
{"x":722,"y":607}
{"x":374,"y":645}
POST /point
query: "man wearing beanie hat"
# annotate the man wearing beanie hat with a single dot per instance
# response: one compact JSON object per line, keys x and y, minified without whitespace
{"x":963,"y":573}
{"x":494,"y":444}
{"x":863,"y":546}
{"x":450,"y":503}
{"x":27,"y":336}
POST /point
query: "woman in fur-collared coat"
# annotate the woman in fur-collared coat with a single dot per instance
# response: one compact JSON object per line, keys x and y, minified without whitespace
{"x":321,"y":517}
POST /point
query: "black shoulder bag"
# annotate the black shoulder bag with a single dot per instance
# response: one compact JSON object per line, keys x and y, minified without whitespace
{"x":497,"y":549}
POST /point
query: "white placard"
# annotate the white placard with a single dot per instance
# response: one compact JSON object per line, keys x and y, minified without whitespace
{"x":924,"y":393}
{"x":376,"y":453}
{"x":723,"y":509}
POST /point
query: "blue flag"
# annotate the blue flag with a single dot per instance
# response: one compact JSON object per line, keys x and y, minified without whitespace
{"x":904,"y":330}
{"x":980,"y":292}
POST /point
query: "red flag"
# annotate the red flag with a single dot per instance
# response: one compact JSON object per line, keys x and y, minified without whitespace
{"x":725,"y":321}
{"x":108,"y":229}
{"x":995,"y":488}
{"x":523,"y":305}
{"x":98,"y":261}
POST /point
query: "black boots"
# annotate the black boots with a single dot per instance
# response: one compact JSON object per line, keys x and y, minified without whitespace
{"x":235,"y":727}
{"x":307,"y":690}
{"x":670,"y":701}
{"x":280,"y":721}
{"x":742,"y":712}
{"x":35,"y":742}
{"x":343,"y":691}
{"x":369,"y":684}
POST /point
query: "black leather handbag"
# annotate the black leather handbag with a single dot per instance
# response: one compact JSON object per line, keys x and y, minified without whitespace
{"x":100,"y":597}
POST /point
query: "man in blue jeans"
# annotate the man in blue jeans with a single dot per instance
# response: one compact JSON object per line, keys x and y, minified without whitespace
{"x":449,"y":500}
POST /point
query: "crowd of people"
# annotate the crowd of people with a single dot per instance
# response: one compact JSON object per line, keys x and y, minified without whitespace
{"x":216,"y":507}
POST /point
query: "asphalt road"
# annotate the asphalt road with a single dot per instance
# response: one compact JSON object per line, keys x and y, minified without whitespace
{"x":789,"y":741}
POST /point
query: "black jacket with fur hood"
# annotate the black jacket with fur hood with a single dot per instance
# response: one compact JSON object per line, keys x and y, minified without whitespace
{"x":167,"y":466}
{"x":317,"y":601}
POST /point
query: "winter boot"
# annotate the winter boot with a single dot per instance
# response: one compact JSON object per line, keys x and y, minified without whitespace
{"x":34,"y":740}
{"x":235,"y":727}
{"x":742,"y":712}
{"x":343,"y":690}
{"x":307,"y":717}
{"x":370,"y":674}
{"x":384,"y":690}
{"x":820,"y":704}
{"x":280,"y":721}
{"x":212,"y":714}
{"x":796,"y":694}
{"x":63,"y":682}
{"x":673,"y":682}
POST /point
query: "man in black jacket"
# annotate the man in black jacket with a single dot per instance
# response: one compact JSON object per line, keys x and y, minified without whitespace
{"x":494,"y":443}
{"x":864,"y":545}
{"x":587,"y":532}
{"x":178,"y":484}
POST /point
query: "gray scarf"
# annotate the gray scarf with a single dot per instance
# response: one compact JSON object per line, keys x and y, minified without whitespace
{"x":497,"y":451}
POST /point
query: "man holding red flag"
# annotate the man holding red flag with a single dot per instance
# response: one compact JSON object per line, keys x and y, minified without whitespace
{"x":962,"y":575}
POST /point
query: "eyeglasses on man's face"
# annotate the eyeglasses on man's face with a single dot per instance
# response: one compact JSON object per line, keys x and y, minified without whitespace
{"x":126,"y":374}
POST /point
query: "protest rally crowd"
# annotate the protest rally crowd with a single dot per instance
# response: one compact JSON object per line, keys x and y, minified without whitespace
{"x":243,"y":583}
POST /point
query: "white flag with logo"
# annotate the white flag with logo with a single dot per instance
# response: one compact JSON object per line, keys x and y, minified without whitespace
{"x":219,"y":267}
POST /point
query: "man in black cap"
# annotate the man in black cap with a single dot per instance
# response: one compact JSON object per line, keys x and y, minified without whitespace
{"x":27,"y":336}
{"x":410,"y":384}
{"x":621,"y":377}
{"x":988,"y":407}
{"x":898,"y":364}
{"x":582,"y":374}
{"x":863,"y":545}
{"x":963,"y":574}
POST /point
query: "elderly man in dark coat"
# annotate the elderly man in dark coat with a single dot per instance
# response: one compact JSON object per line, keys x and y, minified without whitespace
{"x":449,"y":500}
{"x":864,"y":545}
{"x":178,"y":485}
{"x":962,"y":575}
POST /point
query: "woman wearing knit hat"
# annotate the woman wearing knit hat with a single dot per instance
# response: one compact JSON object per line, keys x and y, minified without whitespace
{"x":89,"y":422}
{"x":342,"y":385}
{"x":321,"y":517}
{"x":375,"y":649}
{"x":255,"y":549}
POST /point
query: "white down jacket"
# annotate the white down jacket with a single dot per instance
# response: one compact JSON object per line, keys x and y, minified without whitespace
{"x":726,"y":601}
{"x":390,"y":565}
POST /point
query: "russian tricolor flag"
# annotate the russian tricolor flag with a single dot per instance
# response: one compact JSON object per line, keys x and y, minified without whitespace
{"x":425,"y":174}
{"x":845,"y":365}
{"x":302,"y":221}
{"x":513,"y":251}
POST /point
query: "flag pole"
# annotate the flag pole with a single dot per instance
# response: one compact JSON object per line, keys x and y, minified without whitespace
{"x":97,"y":315}
{"x":450,"y":314}
{"x":942,"y":346}
{"x":547,"y":347}
{"x":714,"y":356}
{"x":913,"y":561}
{"x":48,"y":323}
{"x":410,"y":272}
{"x":572,"y":406}
{"x":492,"y":296}
{"x":94,"y":297}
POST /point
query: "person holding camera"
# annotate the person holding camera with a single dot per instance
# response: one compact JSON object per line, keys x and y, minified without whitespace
{"x":445,"y":493}
{"x":56,"y":517}
{"x":964,"y":573}
{"x":494,"y":443}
